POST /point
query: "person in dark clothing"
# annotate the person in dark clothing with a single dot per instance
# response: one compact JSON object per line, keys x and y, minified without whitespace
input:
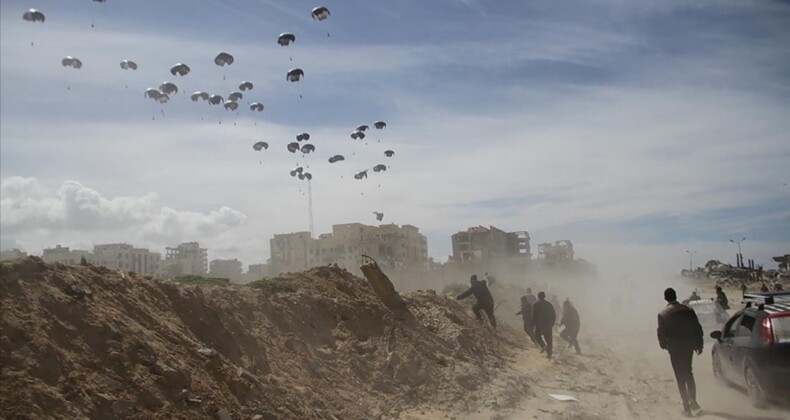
{"x":544,"y":317}
{"x":531,"y":299}
{"x":484,"y":302}
{"x":680,"y":333}
{"x":526,"y":318}
{"x":572,"y":323}
{"x":721,"y":298}
{"x":764,"y":288}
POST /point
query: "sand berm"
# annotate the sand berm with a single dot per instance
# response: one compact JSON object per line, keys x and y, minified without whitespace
{"x":90,"y":342}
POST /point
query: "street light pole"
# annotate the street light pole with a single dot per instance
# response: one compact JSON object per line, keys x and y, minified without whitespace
{"x":740,"y":254}
{"x":691,"y":265}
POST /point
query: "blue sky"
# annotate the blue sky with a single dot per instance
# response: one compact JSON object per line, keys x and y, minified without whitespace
{"x":657,"y":126}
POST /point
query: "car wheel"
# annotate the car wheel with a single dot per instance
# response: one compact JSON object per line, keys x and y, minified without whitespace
{"x":754,"y":389}
{"x":718,"y":373}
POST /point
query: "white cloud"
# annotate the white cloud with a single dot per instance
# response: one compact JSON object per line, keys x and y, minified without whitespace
{"x":30,"y":214}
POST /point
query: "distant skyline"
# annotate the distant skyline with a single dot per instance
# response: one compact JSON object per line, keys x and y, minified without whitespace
{"x":635,"y":130}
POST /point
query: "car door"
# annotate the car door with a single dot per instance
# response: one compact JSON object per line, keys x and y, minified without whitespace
{"x":725,"y":346}
{"x":741,"y":344}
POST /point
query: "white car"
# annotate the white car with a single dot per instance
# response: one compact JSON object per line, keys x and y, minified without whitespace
{"x":710,"y":314}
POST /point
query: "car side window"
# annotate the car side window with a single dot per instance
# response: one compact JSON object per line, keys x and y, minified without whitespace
{"x":732,"y":326}
{"x":746,"y":326}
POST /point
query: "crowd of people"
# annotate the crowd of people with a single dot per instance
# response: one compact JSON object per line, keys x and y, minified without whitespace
{"x":538,"y":315}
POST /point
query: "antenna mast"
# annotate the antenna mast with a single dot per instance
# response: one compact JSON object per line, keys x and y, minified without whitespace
{"x":310,"y":205}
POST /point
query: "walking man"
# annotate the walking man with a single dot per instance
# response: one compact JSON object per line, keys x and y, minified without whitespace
{"x":721,"y":298}
{"x":680,"y":333}
{"x":484,"y":302}
{"x":526,"y":318}
{"x":531,"y":299}
{"x":544,"y":317}
{"x":572,"y":323}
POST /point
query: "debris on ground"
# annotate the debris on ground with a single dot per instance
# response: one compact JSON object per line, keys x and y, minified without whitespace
{"x":90,"y":342}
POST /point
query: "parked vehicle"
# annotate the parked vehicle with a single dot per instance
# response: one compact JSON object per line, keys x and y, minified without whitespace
{"x":752,"y":349}
{"x":709,"y":313}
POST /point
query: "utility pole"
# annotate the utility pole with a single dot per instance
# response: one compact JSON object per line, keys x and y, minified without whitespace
{"x":691,"y":253}
{"x":740,"y":254}
{"x":310,"y":205}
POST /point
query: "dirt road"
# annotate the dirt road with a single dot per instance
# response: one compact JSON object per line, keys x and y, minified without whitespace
{"x":622,"y":375}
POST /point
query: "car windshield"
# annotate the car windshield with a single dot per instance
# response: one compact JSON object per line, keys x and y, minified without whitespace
{"x":703,"y":307}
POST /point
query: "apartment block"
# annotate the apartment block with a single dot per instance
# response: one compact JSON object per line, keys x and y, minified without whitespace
{"x":65,"y":255}
{"x":226,"y":269}
{"x":481,"y":244}
{"x":126,"y":257}
{"x":392,"y":246}
{"x":187,"y":258}
{"x":12,"y":254}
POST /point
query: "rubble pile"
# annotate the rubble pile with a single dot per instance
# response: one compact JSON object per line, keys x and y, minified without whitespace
{"x":93,"y":342}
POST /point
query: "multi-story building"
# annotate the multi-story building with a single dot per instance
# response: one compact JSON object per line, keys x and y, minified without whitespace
{"x":187,"y":258}
{"x":226,"y":269}
{"x":483,"y":244}
{"x":64,"y":255}
{"x":558,"y":254}
{"x":12,"y":254}
{"x":390,"y":245}
{"x":256,"y":272}
{"x":128,"y":258}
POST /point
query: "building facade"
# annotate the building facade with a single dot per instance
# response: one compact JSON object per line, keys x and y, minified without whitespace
{"x":12,"y":254}
{"x":64,"y":255}
{"x":126,"y":257}
{"x":187,"y":258}
{"x":226,"y":269}
{"x":392,"y":246}
{"x":558,"y":254}
{"x":481,"y":244}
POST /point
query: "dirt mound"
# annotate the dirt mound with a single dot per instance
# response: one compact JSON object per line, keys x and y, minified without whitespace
{"x":98,"y":343}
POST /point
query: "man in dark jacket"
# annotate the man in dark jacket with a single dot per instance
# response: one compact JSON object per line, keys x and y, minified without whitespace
{"x":572,"y":323}
{"x":721,"y":298}
{"x":680,"y":333}
{"x":544,"y":317}
{"x":484,"y":302}
{"x":526,"y":318}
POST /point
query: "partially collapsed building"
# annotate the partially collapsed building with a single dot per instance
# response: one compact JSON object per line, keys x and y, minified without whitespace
{"x":391,"y":245}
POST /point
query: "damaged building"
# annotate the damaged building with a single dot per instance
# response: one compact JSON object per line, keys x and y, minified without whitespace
{"x":392,"y":246}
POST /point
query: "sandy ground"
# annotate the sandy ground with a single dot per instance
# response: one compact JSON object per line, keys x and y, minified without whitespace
{"x":623,"y":374}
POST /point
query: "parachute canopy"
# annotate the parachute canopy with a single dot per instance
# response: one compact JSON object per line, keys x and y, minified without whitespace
{"x":306,"y":175}
{"x":380,"y":168}
{"x":245,"y":86}
{"x":231,"y":105}
{"x":256,"y":106}
{"x":297,"y":170}
{"x":294,"y":75}
{"x":215,"y":100}
{"x":336,"y":158}
{"x":180,"y":69}
{"x":361,"y":174}
{"x":358,"y":135}
{"x":128,"y":65}
{"x":320,"y":13}
{"x":293,"y":147}
{"x":156,"y":95}
{"x":380,"y":125}
{"x":260,"y":145}
{"x":303,"y":137}
{"x":308,"y":148}
{"x":223,"y":59}
{"x":168,"y":88}
{"x":34,"y":15}
{"x":389,"y":153}
{"x":286,"y":39}
{"x":199,"y":95}
{"x":362,"y":127}
{"x":379,"y":215}
{"x":235,"y":95}
{"x":72,"y":62}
